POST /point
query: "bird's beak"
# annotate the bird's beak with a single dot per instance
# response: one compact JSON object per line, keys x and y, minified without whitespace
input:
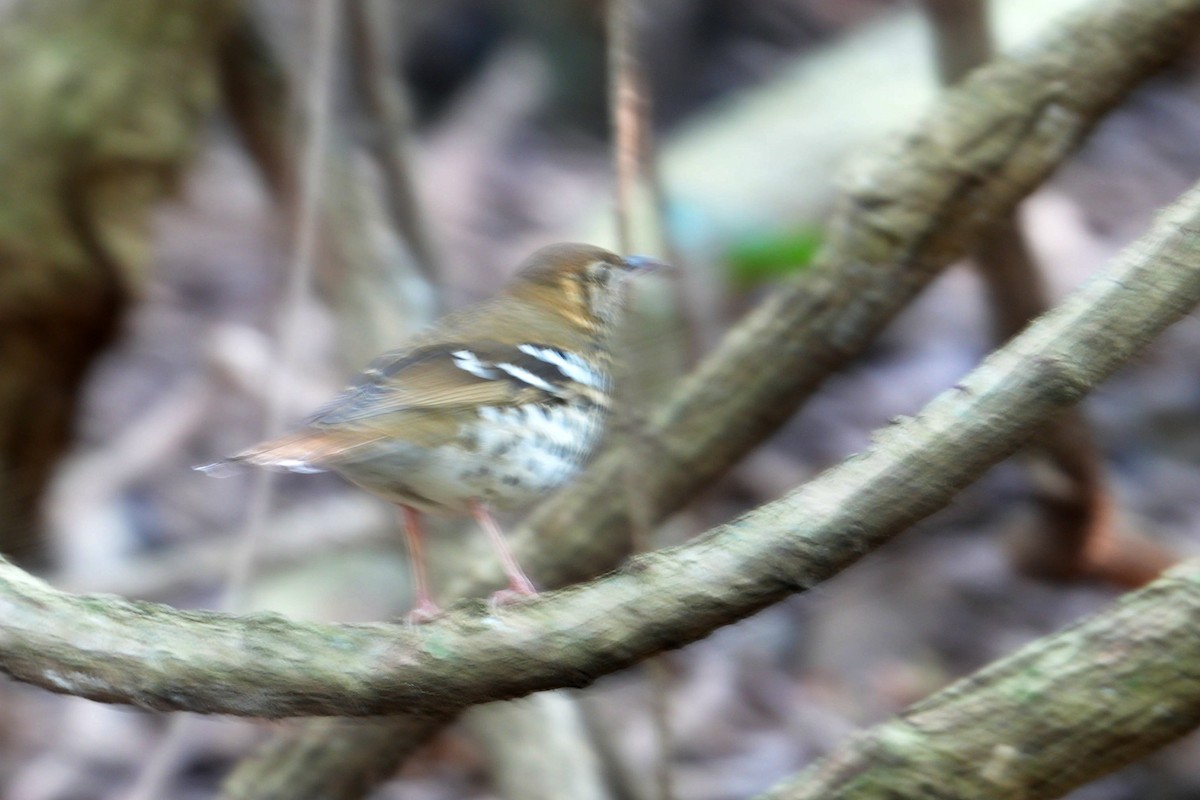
{"x":640,"y":263}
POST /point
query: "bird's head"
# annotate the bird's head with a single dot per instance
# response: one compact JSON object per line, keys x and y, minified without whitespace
{"x":586,"y":282}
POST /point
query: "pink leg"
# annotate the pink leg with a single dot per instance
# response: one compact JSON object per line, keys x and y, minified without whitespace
{"x":425,"y":609}
{"x":518,"y":583}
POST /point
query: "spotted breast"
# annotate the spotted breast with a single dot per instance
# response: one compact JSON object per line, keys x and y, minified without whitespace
{"x":503,"y":455}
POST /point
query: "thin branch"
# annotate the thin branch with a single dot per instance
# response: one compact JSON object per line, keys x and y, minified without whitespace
{"x":629,"y":107}
{"x":962,"y":36}
{"x":262,"y":665}
{"x":388,"y":104}
{"x":366,"y":271}
{"x":304,"y":252}
{"x":625,"y":102}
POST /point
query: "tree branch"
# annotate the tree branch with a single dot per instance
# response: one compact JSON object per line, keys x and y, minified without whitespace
{"x":262,"y":665}
{"x":371,"y":26}
{"x":1058,"y":713}
{"x":329,"y":759}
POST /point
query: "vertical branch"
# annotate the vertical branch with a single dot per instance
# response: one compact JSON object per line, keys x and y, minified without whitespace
{"x":630,"y":141}
{"x":962,"y":37}
{"x":963,"y":41}
{"x":628,"y":118}
{"x":304,"y":227}
{"x":625,"y":108}
{"x":365,"y":270}
{"x":387,"y":103}
{"x":634,"y":163}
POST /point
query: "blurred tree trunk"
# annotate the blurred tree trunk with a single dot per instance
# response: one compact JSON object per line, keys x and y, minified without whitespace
{"x":101,"y":102}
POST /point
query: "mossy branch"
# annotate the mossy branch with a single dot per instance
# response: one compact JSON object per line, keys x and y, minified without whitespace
{"x":1062,"y":711}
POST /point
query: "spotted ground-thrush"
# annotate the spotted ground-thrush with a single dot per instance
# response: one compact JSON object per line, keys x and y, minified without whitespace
{"x":491,"y":406}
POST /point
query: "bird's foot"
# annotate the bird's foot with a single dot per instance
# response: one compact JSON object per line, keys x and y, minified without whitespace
{"x":515,"y":593}
{"x":425,"y":611}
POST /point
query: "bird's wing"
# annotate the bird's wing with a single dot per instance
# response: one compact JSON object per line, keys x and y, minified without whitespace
{"x":452,"y":377}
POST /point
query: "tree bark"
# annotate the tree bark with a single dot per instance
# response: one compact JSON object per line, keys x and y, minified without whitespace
{"x":102,"y":102}
{"x":1062,"y":711}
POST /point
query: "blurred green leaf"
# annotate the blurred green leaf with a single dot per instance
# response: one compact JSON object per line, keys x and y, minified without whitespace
{"x":760,"y":258}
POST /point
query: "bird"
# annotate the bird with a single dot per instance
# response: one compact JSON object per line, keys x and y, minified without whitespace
{"x":490,"y":407}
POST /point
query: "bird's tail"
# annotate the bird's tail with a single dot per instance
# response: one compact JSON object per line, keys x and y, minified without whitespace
{"x":306,"y":451}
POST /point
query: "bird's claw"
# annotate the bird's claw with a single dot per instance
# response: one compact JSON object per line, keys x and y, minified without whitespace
{"x":515,"y":593}
{"x":425,"y":611}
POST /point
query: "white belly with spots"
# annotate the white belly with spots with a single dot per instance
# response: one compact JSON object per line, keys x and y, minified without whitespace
{"x":511,"y":457}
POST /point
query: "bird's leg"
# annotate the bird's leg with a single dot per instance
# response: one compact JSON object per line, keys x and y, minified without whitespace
{"x":425,"y":609}
{"x":518,"y":584}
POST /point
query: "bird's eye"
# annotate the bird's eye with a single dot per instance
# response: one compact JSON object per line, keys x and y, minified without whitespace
{"x":600,"y":274}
